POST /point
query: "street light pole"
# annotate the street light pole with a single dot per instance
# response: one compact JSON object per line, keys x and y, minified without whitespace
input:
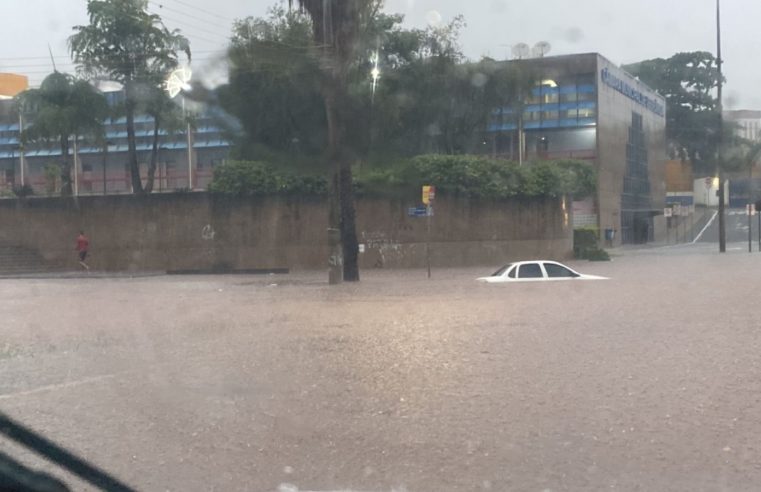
{"x":719,"y":163}
{"x":22,"y":157}
{"x":105,"y":163}
{"x":189,"y":133}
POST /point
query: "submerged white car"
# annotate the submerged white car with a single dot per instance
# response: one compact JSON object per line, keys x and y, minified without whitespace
{"x":534,"y":271}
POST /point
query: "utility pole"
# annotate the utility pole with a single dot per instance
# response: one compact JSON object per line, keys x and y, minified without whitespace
{"x":719,"y":163}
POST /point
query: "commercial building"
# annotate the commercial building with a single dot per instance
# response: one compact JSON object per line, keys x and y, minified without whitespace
{"x":583,"y":106}
{"x":100,"y":169}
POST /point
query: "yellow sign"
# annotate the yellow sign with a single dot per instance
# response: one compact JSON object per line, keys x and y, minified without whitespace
{"x":429,"y":193}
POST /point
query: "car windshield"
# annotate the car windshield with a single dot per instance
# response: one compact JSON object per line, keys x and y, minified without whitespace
{"x":244,"y":245}
{"x":502,"y":270}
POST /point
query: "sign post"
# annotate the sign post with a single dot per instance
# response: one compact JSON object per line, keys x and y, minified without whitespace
{"x":429,"y":194}
{"x":759,"y":232}
{"x":750,"y":210}
{"x":668,"y":212}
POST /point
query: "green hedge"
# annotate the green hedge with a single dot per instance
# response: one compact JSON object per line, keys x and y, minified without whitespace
{"x":251,"y":178}
{"x":585,"y":245}
{"x":473,"y":176}
{"x":482,"y":177}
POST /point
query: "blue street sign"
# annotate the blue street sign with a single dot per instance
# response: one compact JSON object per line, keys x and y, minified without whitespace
{"x":417,"y":211}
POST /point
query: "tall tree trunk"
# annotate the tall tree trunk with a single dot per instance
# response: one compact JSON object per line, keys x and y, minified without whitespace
{"x":342,"y":210}
{"x":134,"y":169}
{"x":348,"y":222}
{"x":154,"y":155}
{"x":335,"y":261}
{"x":66,"y":189}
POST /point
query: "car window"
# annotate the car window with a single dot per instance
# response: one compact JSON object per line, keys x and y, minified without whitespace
{"x":511,"y":273}
{"x":558,"y":271}
{"x":530,"y":270}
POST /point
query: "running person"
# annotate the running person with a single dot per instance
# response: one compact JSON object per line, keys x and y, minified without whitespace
{"x":83,"y":245}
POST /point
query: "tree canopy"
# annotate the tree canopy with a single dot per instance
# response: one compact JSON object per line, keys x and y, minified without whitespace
{"x":688,"y":82}
{"x":63,"y":107}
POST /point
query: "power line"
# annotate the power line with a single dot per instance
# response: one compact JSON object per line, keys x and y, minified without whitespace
{"x":187,"y":26}
{"x":199,"y":9}
{"x":205,"y":21}
{"x":60,"y":57}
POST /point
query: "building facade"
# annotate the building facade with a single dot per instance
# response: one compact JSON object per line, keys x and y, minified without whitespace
{"x":585,"y":107}
{"x":185,"y":159}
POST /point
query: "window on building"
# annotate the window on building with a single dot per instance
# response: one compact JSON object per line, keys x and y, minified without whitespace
{"x":587,"y":112}
{"x":86,"y":168}
{"x":550,"y":115}
{"x":568,"y":114}
{"x":569,"y":97}
{"x":550,"y":97}
{"x":586,"y":96}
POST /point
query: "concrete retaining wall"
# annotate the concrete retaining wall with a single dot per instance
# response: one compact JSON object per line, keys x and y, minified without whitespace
{"x":203,"y":231}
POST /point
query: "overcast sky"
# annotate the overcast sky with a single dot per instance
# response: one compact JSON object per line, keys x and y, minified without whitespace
{"x":622,"y":30}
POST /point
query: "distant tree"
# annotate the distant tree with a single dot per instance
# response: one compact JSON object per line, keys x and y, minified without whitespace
{"x":274,"y":84}
{"x":688,"y":82}
{"x":741,"y":155}
{"x":63,"y":107}
{"x":124,"y":43}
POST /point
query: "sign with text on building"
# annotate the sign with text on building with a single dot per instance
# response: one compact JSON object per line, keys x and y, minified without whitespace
{"x":429,"y":194}
{"x":619,"y":83}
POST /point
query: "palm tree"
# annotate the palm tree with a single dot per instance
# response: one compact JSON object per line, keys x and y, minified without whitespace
{"x":335,"y":28}
{"x":63,"y":107}
{"x":126,"y":44}
{"x":166,"y":116}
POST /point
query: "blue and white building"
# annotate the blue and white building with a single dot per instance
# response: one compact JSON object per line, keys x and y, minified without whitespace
{"x":585,"y":107}
{"x":100,"y":171}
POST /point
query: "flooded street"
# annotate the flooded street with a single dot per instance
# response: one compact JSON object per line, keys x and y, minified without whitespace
{"x":650,"y":380}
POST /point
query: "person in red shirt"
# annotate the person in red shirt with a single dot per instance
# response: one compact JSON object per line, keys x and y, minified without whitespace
{"x":83,"y":245}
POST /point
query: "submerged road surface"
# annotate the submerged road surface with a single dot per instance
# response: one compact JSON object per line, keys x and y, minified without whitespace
{"x":650,"y":380}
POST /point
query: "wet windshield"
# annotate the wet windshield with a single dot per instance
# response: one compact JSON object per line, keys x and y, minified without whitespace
{"x":502,"y":270}
{"x":243,"y":245}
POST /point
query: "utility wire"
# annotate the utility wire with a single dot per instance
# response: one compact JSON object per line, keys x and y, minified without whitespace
{"x":183,"y":24}
{"x":199,"y":9}
{"x":191,"y":16}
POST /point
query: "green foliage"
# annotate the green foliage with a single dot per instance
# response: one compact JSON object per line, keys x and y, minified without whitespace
{"x":741,"y":155}
{"x":250,"y":178}
{"x":482,"y":177}
{"x":688,"y":82}
{"x":584,"y":240}
{"x":428,"y":98}
{"x":52,"y":172}
{"x":597,"y":254}
{"x":585,"y":245}
{"x":471,"y":176}
{"x":274,"y":84}
{"x":61,"y":108}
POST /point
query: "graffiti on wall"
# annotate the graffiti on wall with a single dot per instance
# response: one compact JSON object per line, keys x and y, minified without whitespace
{"x":386,"y":247}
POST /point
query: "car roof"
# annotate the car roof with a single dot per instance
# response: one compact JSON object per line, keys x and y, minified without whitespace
{"x":533,"y":261}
